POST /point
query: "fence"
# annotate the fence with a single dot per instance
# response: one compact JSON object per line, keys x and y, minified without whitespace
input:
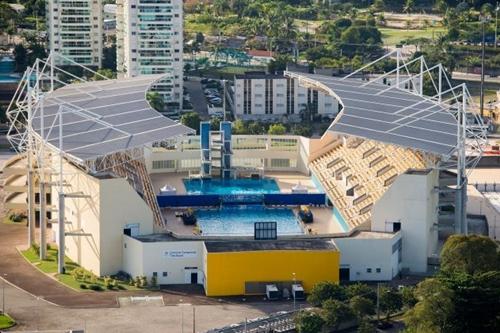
{"x":279,"y":199}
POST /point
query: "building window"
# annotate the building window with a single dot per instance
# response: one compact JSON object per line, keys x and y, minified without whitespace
{"x":378,"y":270}
{"x":165,"y":274}
{"x":164,"y":164}
{"x":280,"y":163}
{"x":368,"y":270}
{"x":155,"y":274}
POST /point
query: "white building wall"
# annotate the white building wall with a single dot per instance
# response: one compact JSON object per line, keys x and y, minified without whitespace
{"x":150,"y":41}
{"x":172,"y":261}
{"x":110,"y":204}
{"x":327,"y":105}
{"x":411,"y":201}
{"x":75,"y":30}
{"x":264,"y":155}
{"x":364,"y":256}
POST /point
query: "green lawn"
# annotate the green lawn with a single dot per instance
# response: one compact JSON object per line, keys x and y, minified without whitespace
{"x":6,"y":321}
{"x":49,"y":266}
{"x":392,"y":36}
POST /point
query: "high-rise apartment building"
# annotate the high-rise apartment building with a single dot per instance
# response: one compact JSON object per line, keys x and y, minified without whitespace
{"x":75,"y":30}
{"x":149,"y":41}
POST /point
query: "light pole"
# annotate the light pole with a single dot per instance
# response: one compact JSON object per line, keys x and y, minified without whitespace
{"x":3,"y":293}
{"x":484,"y":19}
{"x":293,"y":295}
{"x":496,"y":23}
{"x":224,"y":98}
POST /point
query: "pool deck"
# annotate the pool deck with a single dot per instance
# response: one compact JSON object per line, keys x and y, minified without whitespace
{"x":284,"y":180}
{"x":324,"y":220}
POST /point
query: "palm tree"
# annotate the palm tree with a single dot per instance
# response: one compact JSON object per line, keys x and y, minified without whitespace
{"x":408,"y":7}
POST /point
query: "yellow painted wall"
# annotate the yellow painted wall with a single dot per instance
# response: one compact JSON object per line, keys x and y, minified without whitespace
{"x":227,"y":272}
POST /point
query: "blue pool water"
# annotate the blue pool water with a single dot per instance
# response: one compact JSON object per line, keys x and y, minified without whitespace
{"x":231,"y":186}
{"x":239,"y":220}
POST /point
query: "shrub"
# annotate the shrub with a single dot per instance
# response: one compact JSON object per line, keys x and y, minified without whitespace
{"x":36,"y":248}
{"x":154,"y":282}
{"x":143,"y":282}
{"x":83,"y":286}
{"x":119,"y":286}
{"x":96,"y":287}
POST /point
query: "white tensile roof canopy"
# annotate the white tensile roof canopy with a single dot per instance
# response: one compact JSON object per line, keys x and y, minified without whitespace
{"x":393,"y":116}
{"x":102,"y":117}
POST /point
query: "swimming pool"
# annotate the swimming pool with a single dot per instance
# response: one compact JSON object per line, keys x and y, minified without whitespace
{"x":231,"y":186}
{"x":239,"y":220}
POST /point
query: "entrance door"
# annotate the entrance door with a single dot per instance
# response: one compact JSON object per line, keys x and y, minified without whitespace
{"x":194,"y":278}
{"x":344,"y":274}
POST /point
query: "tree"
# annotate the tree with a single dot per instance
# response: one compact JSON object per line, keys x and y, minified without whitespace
{"x":362,"y":306}
{"x":365,"y":326}
{"x":326,"y":290}
{"x":408,"y":297}
{"x":408,"y":7}
{"x":215,"y":124}
{"x":278,"y":64}
{"x":361,"y":289}
{"x":109,"y":58}
{"x":390,"y":301}
{"x":104,"y":73}
{"x":156,"y":101}
{"x":302,"y":130}
{"x":276,"y":129}
{"x":336,"y":312}
{"x":256,"y":128}
{"x":308,"y":322}
{"x":239,"y":127}
{"x":192,"y":120}
{"x":20,"y":57}
{"x":470,"y":254}
{"x":378,"y":5}
{"x":434,"y":310}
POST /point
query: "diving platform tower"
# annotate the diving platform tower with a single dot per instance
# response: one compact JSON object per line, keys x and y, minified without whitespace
{"x":216,"y":151}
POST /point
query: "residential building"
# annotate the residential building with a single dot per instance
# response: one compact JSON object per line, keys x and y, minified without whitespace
{"x":149,"y":41}
{"x":270,"y":97}
{"x":75,"y":29}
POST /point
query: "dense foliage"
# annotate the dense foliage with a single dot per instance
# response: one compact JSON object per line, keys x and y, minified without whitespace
{"x":464,"y":296}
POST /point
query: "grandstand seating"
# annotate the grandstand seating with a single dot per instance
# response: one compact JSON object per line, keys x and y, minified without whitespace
{"x":355,"y":173}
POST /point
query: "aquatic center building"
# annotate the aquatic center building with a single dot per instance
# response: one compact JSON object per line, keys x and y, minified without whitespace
{"x":125,"y":189}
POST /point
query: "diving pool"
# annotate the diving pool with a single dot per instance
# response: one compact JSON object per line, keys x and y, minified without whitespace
{"x":231,"y":186}
{"x":239,"y":220}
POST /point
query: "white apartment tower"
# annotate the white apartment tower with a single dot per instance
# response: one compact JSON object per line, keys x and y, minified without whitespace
{"x":149,"y":41}
{"x":75,"y":30}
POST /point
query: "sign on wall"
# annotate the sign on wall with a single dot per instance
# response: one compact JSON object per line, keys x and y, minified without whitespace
{"x":180,"y":254}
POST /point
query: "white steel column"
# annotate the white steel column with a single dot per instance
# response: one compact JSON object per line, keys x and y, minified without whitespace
{"x":31,"y":173}
{"x":440,"y":83}
{"x":421,"y":90}
{"x":461,"y":190}
{"x":397,"y":66}
{"x":61,"y":219}
{"x":43,"y":221}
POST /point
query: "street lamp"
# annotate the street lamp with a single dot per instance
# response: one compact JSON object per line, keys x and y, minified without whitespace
{"x":3,"y":293}
{"x":497,"y":8}
{"x":293,"y":295}
{"x":484,"y":20}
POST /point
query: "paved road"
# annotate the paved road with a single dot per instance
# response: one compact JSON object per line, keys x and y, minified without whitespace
{"x":474,"y":77}
{"x":193,"y":86}
{"x":35,"y":314}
